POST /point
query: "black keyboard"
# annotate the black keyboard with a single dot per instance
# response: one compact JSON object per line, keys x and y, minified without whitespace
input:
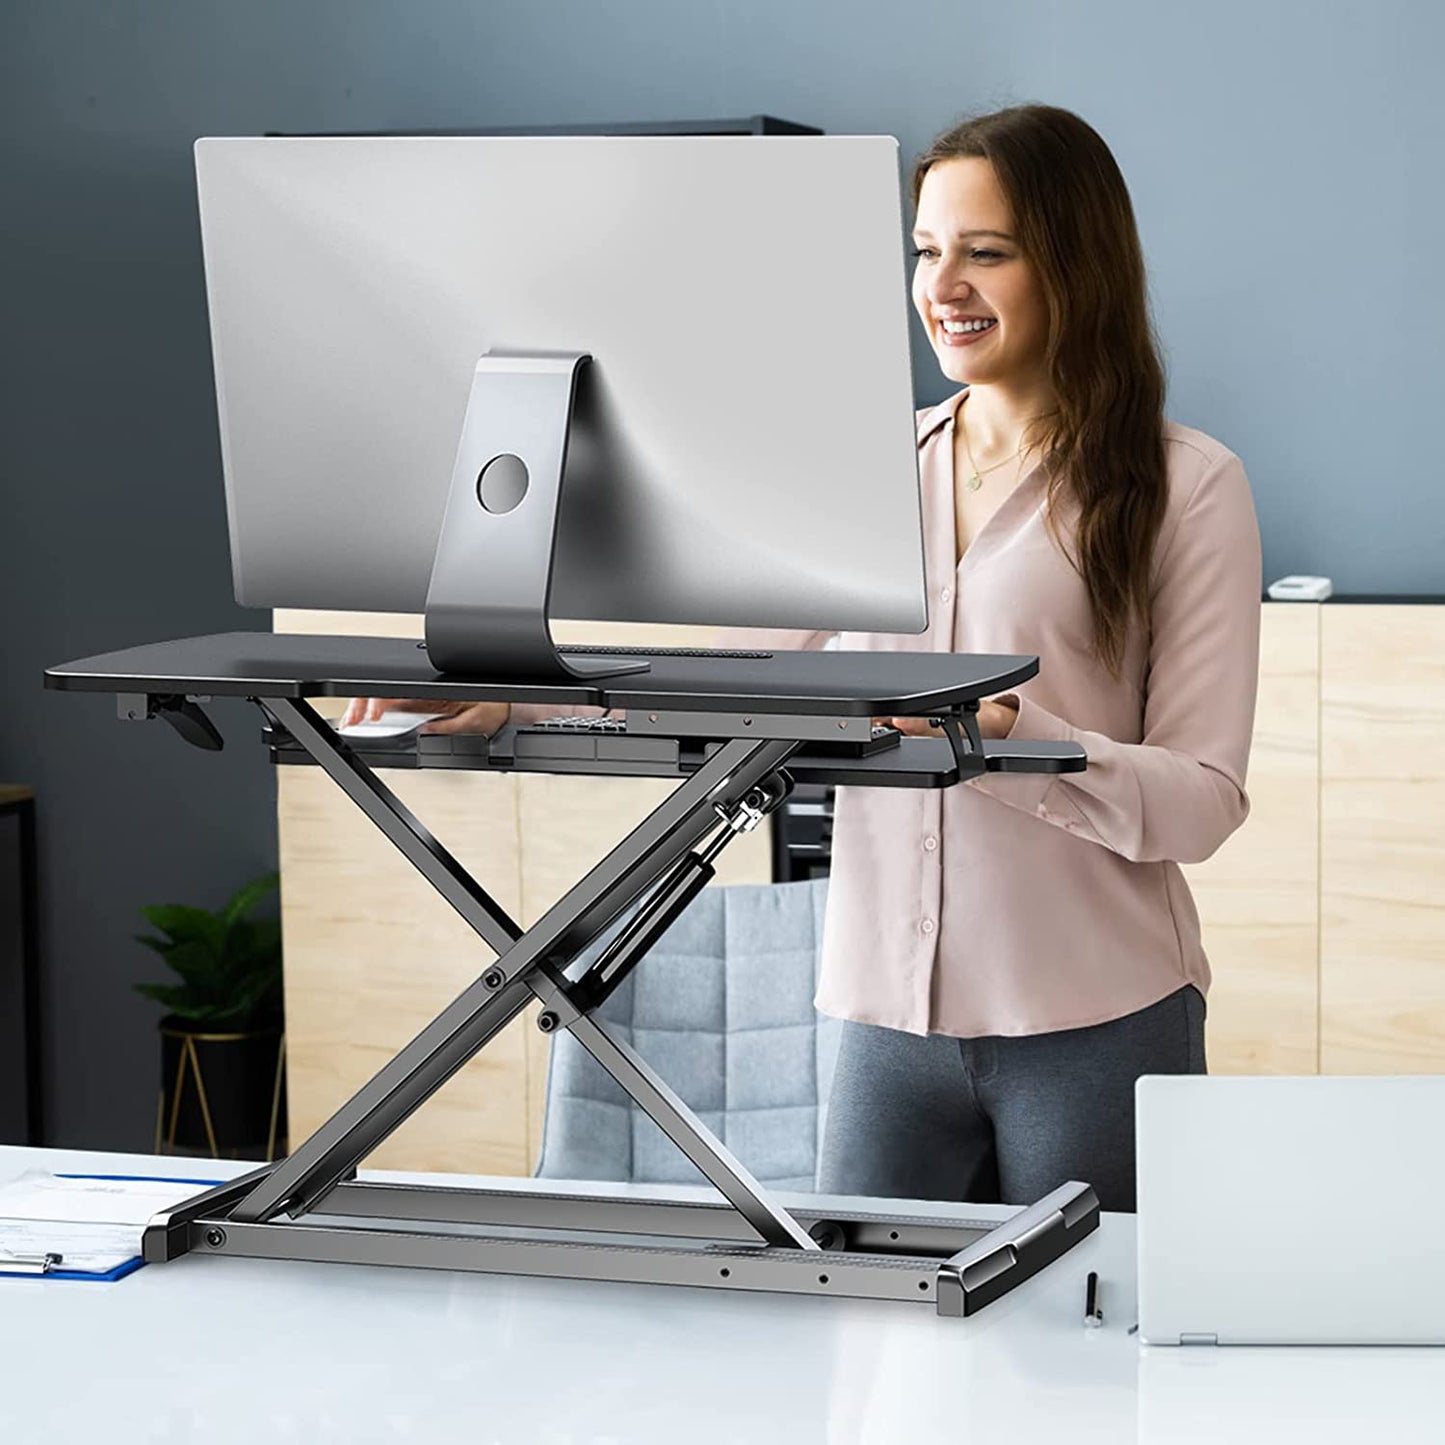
{"x":880,"y":739}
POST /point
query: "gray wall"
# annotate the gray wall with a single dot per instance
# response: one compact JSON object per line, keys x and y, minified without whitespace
{"x":1285,"y":159}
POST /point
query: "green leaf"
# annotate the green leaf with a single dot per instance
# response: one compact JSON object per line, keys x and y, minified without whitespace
{"x":259,"y":993}
{"x":197,"y":964}
{"x":229,"y":964}
{"x":249,"y":896}
{"x":186,"y":925}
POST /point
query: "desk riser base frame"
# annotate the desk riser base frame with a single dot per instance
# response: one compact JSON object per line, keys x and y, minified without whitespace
{"x":956,"y":1267}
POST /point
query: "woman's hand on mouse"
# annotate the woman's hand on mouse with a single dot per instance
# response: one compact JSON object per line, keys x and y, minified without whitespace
{"x":460,"y":717}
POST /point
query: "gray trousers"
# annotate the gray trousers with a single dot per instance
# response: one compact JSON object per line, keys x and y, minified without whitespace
{"x":1000,"y":1120}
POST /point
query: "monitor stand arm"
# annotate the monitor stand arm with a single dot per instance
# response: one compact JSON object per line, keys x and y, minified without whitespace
{"x":491,"y":582}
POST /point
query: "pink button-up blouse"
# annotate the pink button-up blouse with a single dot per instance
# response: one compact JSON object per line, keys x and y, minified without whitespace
{"x":1026,"y":903}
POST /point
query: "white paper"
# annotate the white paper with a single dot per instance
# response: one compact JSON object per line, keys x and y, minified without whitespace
{"x":96,"y":1224}
{"x":39,"y":1195}
{"x":90,"y":1248}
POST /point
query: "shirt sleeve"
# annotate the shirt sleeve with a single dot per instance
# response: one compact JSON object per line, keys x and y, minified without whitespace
{"x":1179,"y":792}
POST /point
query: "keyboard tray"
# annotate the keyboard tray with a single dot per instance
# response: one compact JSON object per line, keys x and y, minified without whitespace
{"x":913,"y":763}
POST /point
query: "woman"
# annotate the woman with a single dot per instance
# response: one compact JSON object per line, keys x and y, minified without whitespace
{"x":1011,"y":954}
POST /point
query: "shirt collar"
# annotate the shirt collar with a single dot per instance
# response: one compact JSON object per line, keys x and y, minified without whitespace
{"x":938,"y":416}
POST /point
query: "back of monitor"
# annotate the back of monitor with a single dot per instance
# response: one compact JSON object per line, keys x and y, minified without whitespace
{"x":743,"y":450}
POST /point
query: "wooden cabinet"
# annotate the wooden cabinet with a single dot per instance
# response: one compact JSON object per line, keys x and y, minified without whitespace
{"x":1324,"y":916}
{"x":1258,"y":897}
{"x":1382,"y":862}
{"x":373,"y":953}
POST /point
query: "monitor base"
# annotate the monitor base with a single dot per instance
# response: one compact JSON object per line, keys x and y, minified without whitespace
{"x":491,"y":582}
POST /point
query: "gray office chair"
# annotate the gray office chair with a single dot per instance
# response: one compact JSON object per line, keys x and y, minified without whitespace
{"x":722,"y":1008}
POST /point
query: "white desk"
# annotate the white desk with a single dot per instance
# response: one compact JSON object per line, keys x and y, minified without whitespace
{"x":209,"y":1351}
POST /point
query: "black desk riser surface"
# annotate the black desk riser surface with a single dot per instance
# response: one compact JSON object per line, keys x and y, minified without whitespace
{"x":848,"y":684}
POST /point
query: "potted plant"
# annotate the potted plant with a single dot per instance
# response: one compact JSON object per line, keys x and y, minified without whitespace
{"x":222,"y":1045}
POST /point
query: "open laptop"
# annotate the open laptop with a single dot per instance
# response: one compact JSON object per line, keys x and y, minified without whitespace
{"x":1291,"y":1210}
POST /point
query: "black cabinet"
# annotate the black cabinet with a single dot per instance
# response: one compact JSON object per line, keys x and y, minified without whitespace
{"x":20,"y":1112}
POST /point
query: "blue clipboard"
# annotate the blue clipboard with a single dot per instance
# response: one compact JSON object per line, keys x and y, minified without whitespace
{"x":128,"y":1266}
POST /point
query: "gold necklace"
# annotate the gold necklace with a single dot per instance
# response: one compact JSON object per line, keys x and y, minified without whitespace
{"x":975,"y":481}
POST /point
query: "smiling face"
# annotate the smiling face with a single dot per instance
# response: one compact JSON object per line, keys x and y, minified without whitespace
{"x":981,"y":301}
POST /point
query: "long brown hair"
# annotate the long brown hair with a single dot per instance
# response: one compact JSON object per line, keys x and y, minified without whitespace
{"x":1105,"y":441}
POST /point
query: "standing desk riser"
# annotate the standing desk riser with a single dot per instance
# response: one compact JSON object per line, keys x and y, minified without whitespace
{"x":760,"y":713}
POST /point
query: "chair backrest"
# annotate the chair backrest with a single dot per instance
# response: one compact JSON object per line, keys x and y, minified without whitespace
{"x":722,"y":1008}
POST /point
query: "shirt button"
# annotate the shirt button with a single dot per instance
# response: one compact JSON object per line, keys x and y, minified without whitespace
{"x":946,"y":595}
{"x":930,"y":843}
{"x":927,"y":925}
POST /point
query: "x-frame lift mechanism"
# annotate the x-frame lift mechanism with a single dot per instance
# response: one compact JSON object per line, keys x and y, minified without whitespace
{"x":311,"y":1206}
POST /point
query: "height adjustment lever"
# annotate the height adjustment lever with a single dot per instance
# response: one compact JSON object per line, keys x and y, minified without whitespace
{"x":183,"y":713}
{"x":964,"y":738}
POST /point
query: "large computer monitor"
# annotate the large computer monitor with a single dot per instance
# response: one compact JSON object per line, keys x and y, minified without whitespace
{"x":659,"y":379}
